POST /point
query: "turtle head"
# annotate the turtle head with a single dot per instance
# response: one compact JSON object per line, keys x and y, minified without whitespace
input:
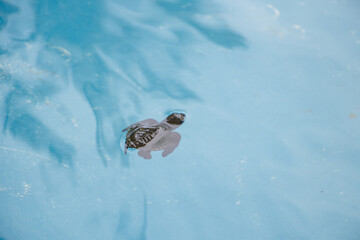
{"x":176,"y":119}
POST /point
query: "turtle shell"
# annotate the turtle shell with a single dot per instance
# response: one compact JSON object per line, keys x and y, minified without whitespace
{"x":139,"y":136}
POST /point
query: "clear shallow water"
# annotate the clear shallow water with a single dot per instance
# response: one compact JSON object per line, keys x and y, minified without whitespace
{"x":270,"y":148}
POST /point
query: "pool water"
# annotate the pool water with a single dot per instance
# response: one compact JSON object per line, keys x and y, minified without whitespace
{"x":270,"y":148}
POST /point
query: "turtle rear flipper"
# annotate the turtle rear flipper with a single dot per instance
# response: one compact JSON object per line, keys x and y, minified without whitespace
{"x":145,"y":122}
{"x":146,"y":154}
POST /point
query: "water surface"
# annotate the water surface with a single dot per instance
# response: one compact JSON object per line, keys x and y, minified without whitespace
{"x":270,"y":148}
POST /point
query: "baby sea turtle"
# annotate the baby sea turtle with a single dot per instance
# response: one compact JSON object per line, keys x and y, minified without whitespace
{"x":149,"y":135}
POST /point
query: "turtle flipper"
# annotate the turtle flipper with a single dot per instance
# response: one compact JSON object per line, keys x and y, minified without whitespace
{"x":145,"y":122}
{"x":172,"y":143}
{"x":146,"y":154}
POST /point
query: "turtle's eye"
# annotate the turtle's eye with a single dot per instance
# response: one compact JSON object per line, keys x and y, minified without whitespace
{"x":176,"y":118}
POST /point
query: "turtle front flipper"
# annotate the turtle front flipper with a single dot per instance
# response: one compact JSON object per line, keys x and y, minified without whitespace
{"x":172,"y":143}
{"x":145,"y":122}
{"x":146,"y":154}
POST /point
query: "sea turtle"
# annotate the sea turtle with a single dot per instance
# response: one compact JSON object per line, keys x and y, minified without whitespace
{"x":149,"y":135}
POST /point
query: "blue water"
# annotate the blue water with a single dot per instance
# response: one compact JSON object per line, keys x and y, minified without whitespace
{"x":270,"y":148}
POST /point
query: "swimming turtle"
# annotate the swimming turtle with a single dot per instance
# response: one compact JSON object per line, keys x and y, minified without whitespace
{"x":149,"y":135}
